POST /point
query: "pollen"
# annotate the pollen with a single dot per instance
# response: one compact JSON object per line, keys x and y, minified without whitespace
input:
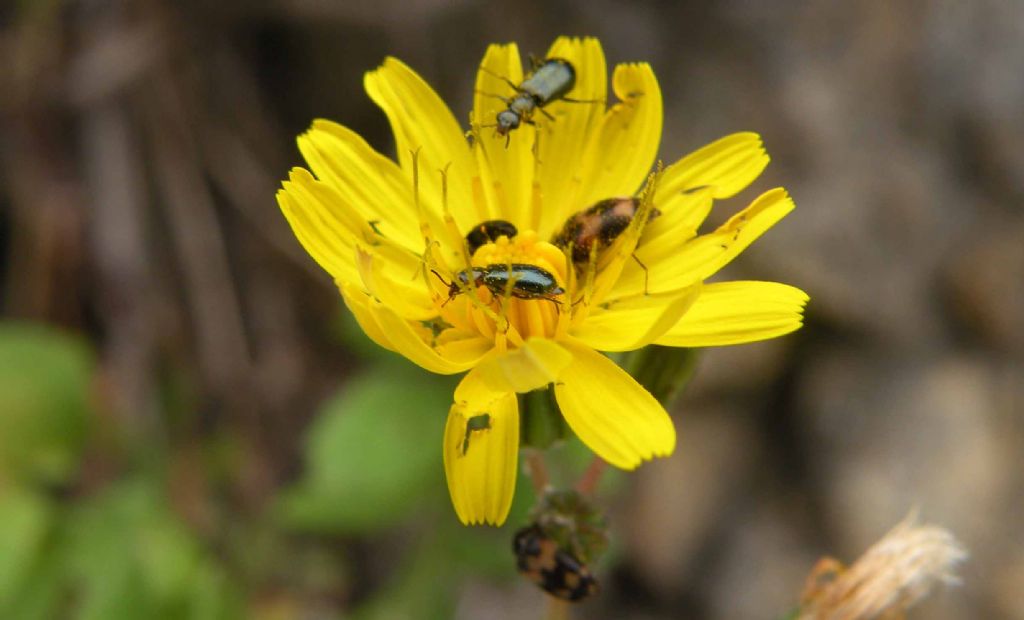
{"x":525,"y":248}
{"x":520,"y":288}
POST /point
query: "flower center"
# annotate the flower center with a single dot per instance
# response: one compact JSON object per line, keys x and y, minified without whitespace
{"x":519,"y":284}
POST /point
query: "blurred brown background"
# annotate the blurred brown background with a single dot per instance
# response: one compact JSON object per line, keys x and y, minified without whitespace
{"x":141,"y":143}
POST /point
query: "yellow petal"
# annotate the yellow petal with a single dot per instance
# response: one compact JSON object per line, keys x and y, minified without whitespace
{"x":395,"y":278}
{"x":412,"y":340}
{"x":480,"y":457}
{"x":364,"y":177}
{"x":325,"y":225}
{"x":506,"y":167}
{"x":723,"y":168}
{"x":703,"y":256}
{"x":622,"y":151}
{"x":330,"y":229}
{"x":358,"y":304}
{"x":738,"y":312}
{"x":462,"y":346}
{"x":635,"y":322}
{"x":562,"y":142}
{"x":422,"y":122}
{"x":610,"y":412}
{"x":728,"y":165}
{"x":537,"y":363}
{"x":667,"y":233}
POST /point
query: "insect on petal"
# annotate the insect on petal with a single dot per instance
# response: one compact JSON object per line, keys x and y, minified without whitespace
{"x":481,"y":451}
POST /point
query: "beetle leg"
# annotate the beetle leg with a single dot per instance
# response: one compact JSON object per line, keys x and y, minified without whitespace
{"x":511,"y":84}
{"x":558,"y":304}
{"x":504,"y":99}
{"x":571,"y":100}
{"x":453,"y":289}
{"x":644,"y":267}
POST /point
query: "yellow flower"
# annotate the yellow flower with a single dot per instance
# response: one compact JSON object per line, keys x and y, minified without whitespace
{"x":393,"y":237}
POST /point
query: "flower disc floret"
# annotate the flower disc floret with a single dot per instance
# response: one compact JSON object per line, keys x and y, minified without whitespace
{"x":500,"y":300}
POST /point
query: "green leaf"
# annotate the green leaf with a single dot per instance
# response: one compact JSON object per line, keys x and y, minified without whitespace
{"x":26,"y":520}
{"x":128,"y":556}
{"x":40,"y":596}
{"x":45,"y":380}
{"x":373,"y":453}
{"x":213,"y":596}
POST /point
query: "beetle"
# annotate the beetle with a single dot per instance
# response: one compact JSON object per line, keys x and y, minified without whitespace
{"x":550,"y":80}
{"x":555,"y":570}
{"x":521,"y":280}
{"x":488,"y":232}
{"x":602,"y":224}
{"x":479,"y":422}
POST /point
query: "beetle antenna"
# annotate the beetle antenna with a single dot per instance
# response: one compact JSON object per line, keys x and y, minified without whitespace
{"x":453,"y":289}
{"x":512,"y":84}
{"x":504,"y":99}
{"x":443,"y":281}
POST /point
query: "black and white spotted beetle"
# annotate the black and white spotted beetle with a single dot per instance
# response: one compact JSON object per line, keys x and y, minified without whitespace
{"x":555,"y":570}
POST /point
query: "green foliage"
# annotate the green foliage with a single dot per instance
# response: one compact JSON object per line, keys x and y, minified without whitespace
{"x":27,"y":579}
{"x":541,"y":422}
{"x":372,"y":461}
{"x":45,"y":380}
{"x":118,"y":555}
{"x":127,"y":556}
{"x":373,"y":453}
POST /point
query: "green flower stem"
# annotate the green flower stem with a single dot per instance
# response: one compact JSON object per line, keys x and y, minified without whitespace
{"x":540,"y":422}
{"x":663,"y":371}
